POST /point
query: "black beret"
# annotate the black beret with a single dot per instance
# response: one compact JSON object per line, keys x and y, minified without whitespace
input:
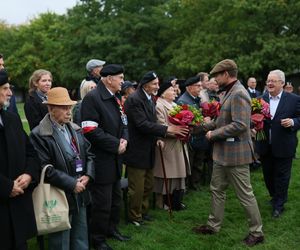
{"x":192,"y":80}
{"x":112,"y":70}
{"x":126,"y":85}
{"x":148,"y":77}
{"x":225,"y":65}
{"x":163,"y":87}
{"x":3,"y":77}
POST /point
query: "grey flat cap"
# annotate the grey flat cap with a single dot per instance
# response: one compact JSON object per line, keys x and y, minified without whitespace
{"x":93,"y":63}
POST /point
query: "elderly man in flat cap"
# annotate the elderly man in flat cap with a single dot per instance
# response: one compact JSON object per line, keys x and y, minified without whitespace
{"x":105,"y":126}
{"x":18,"y":167}
{"x":94,"y":67}
{"x":140,"y":156}
{"x":61,"y":143}
{"x":232,"y":153}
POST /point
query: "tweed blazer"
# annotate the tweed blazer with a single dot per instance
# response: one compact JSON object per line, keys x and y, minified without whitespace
{"x":231,"y":135}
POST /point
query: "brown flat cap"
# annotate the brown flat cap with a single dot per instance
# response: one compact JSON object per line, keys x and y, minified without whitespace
{"x":225,"y":65}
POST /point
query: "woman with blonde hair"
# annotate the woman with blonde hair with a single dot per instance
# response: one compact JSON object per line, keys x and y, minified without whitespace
{"x":40,"y":83}
{"x":85,"y":87}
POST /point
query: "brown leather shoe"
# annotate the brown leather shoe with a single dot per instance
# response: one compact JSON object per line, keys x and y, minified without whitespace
{"x":204,"y":229}
{"x":252,"y":240}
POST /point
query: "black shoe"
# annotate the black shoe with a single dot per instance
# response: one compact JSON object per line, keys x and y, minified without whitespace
{"x":103,"y":246}
{"x":276,"y":213}
{"x":118,"y":236}
{"x":137,"y":223}
{"x":252,"y":240}
{"x":182,"y":206}
{"x":147,"y":217}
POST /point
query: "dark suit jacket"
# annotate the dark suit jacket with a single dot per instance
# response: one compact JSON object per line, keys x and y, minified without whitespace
{"x":283,"y":140}
{"x":254,"y":95}
{"x":186,"y":98}
{"x":143,"y":131}
{"x":34,"y":109}
{"x":17,"y":157}
{"x":101,"y":107}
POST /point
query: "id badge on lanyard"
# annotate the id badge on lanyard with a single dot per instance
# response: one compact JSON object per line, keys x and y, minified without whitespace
{"x":78,"y":163}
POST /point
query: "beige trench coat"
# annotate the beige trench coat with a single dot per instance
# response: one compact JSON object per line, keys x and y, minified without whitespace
{"x":177,"y":166}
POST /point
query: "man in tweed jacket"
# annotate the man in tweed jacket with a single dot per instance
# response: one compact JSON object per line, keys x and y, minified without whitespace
{"x":232,"y":153}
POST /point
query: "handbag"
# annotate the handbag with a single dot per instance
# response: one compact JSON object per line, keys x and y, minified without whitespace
{"x":51,"y":207}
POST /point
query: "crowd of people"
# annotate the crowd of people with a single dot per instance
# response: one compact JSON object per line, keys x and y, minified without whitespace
{"x":122,"y":128}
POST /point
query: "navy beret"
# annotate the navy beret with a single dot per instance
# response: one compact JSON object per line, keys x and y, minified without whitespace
{"x":148,"y":77}
{"x":112,"y":70}
{"x":126,"y":85}
{"x":3,"y":77}
{"x":192,"y":80}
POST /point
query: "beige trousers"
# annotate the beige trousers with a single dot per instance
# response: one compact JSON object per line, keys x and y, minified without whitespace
{"x":239,"y":178}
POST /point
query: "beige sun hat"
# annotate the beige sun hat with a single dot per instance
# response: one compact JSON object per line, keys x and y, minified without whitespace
{"x":59,"y":96}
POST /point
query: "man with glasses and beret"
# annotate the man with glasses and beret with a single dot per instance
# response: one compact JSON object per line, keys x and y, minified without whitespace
{"x":279,"y":148}
{"x":232,"y":153}
{"x":198,"y":143}
{"x":140,"y":156}
{"x":104,"y":124}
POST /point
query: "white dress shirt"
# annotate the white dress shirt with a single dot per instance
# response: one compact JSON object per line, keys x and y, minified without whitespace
{"x":274,"y":101}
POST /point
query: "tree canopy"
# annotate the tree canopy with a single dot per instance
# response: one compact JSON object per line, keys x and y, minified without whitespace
{"x":172,"y":37}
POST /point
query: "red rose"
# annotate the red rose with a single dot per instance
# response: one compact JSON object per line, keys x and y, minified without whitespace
{"x":185,"y":107}
{"x":257,"y":120}
{"x":187,"y":116}
{"x":178,"y":116}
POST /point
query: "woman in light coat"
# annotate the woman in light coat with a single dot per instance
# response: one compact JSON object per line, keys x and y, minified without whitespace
{"x":175,"y":154}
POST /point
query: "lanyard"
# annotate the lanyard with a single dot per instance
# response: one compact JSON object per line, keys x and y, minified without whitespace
{"x":121,"y":106}
{"x":74,"y":146}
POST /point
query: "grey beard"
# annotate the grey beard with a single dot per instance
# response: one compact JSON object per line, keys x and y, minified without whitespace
{"x":6,"y":104}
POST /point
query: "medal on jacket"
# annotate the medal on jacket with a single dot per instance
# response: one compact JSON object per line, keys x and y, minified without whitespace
{"x":123,"y":115}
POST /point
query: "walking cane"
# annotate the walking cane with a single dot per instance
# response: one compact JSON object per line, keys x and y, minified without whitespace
{"x":166,"y":182}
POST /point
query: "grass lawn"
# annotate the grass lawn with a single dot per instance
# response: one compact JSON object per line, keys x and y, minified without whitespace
{"x":163,"y":233}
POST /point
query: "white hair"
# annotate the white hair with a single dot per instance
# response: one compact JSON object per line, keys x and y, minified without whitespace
{"x":279,"y":73}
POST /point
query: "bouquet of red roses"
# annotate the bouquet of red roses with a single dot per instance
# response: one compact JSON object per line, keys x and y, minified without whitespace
{"x":185,"y":115}
{"x":211,"y":109}
{"x":260,"y":110}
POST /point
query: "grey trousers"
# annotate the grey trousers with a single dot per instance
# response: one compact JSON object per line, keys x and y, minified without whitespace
{"x":239,"y":178}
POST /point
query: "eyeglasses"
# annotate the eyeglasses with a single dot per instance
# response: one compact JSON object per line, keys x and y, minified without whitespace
{"x":273,"y":81}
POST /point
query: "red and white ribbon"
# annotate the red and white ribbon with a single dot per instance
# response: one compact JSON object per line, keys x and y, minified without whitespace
{"x":88,"y":126}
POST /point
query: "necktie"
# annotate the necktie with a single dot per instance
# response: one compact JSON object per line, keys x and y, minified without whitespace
{"x":151,"y":103}
{"x":66,"y":135}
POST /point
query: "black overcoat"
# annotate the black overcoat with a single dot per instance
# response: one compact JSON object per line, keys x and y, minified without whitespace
{"x":100,"y":106}
{"x":143,"y":131}
{"x":34,"y":109}
{"x":16,"y":214}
